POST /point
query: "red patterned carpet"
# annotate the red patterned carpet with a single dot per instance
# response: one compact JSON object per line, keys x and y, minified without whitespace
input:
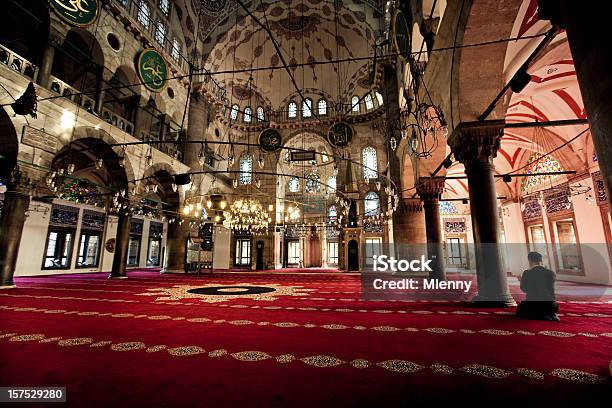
{"x":146,"y":341}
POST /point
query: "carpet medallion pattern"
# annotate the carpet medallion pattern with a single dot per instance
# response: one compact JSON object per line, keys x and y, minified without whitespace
{"x":308,"y":340}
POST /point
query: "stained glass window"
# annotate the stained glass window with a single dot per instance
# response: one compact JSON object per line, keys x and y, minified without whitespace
{"x":313,"y":183}
{"x":322,"y":107}
{"x":248,"y":112}
{"x":379,"y":98}
{"x":448,"y":207}
{"x":307,"y":108}
{"x":546,"y":164}
{"x":144,"y":12}
{"x":369,"y":103}
{"x":246,"y":168}
{"x":292,"y":109}
{"x":371,"y":204}
{"x":355,"y":103}
{"x":331,"y":184}
{"x":261,"y":116}
{"x":332,"y":213}
{"x":234,"y":112}
{"x":294,"y":185}
{"x":370,"y":163}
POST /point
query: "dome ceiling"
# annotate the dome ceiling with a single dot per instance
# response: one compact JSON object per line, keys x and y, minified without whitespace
{"x":306,"y":31}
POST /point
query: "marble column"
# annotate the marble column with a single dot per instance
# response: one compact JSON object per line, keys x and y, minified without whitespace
{"x":430,"y":191}
{"x":176,"y":247}
{"x":475,"y":144}
{"x":122,"y":241}
{"x":588,"y":37}
{"x":12,"y":220}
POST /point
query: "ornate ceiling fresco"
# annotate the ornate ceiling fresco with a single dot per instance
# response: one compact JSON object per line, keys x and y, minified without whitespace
{"x":306,"y":31}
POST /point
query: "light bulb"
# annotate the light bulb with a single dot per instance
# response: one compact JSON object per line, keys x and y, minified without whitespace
{"x":186,"y":210}
{"x":199,"y":206}
{"x":208,"y":204}
{"x":223,"y":204}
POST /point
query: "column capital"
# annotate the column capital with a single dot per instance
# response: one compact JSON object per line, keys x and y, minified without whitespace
{"x":430,"y":189}
{"x":476,"y":142}
{"x":409,"y":206}
{"x":20,"y":182}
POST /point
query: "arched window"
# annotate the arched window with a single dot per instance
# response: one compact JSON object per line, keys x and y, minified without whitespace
{"x":234,"y":112}
{"x":355,"y":103}
{"x":246,"y":168}
{"x":322,"y":105}
{"x":313,"y":183}
{"x":536,"y":165}
{"x":261,"y":116}
{"x":379,"y":98}
{"x":164,"y":6}
{"x":331,"y":184}
{"x":144,"y":13}
{"x":160,"y":32}
{"x":248,"y":114}
{"x":292,"y":109}
{"x":307,"y":108}
{"x":369,"y":162}
{"x":371,"y":204}
{"x":369,"y":103}
{"x":332,"y":213}
{"x":294,"y":185}
{"x":175,"y":53}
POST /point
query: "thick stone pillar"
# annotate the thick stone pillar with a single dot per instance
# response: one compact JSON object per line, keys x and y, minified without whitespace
{"x":430,"y":191}
{"x":137,"y":114}
{"x":16,"y":203}
{"x":55,"y":40}
{"x":199,"y":111}
{"x":100,"y":92}
{"x":409,"y":229}
{"x":475,"y":144}
{"x":588,"y":35}
{"x":121,"y":247}
{"x":176,"y":247}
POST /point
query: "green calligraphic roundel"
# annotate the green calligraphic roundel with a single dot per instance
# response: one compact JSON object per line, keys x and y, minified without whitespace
{"x":402,"y":40}
{"x":79,"y":13}
{"x":340,"y":134}
{"x":270,"y":140}
{"x":152,"y":69}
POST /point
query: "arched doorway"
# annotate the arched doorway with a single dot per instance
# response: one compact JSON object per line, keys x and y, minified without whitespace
{"x":305,"y":190}
{"x":353,"y":255}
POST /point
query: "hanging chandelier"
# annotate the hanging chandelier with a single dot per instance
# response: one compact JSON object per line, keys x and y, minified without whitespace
{"x":247,"y":214}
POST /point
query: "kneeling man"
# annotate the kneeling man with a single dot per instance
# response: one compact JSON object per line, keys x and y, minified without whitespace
{"x":538,"y":283}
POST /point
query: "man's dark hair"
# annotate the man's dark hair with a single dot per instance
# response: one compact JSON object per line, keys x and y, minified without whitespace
{"x":535,"y":257}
